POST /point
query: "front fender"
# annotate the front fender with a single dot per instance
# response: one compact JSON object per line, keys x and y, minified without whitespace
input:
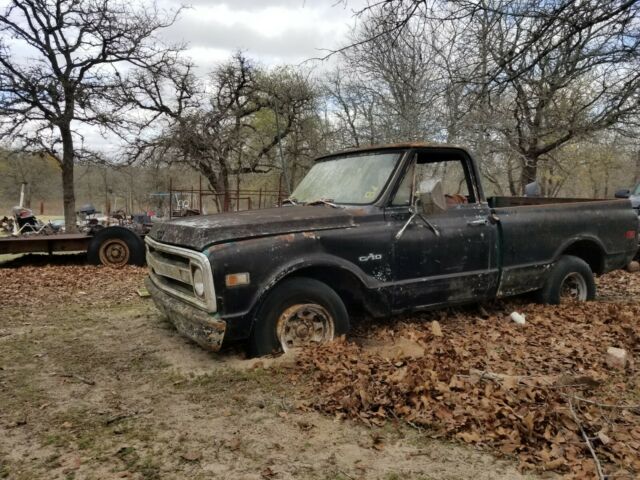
{"x":319,"y":260}
{"x":282,"y":271}
{"x":268,"y":261}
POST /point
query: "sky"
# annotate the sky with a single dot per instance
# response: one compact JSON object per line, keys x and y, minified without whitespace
{"x":271,"y":32}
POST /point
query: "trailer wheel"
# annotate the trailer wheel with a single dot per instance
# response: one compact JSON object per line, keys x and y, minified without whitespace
{"x":299,"y":312}
{"x":571,"y":279}
{"x":116,"y":247}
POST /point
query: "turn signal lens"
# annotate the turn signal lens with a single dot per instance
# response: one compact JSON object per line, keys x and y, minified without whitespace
{"x":236,"y":279}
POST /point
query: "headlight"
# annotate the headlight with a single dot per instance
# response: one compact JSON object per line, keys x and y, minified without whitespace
{"x":198,"y":282}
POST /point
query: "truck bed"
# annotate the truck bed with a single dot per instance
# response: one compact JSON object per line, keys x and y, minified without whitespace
{"x":533,"y":231}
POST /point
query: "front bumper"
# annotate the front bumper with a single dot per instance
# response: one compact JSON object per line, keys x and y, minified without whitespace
{"x":207,"y":330}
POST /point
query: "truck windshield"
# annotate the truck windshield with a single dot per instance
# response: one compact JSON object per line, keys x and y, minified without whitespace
{"x":354,"y":179}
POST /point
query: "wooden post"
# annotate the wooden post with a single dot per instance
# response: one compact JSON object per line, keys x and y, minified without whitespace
{"x":200,"y":195}
{"x":238,"y":193}
{"x":170,"y":197}
{"x":260,"y":198}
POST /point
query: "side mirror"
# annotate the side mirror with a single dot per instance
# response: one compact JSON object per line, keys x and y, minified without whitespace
{"x":430,"y":197}
{"x":624,"y":193}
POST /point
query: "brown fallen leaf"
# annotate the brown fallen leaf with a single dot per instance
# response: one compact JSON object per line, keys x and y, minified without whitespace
{"x":305,"y":426}
{"x":234,"y":444}
{"x":469,"y":437}
{"x":267,"y":473}
{"x":510,"y":382}
{"x":604,"y":438}
{"x":191,"y":456}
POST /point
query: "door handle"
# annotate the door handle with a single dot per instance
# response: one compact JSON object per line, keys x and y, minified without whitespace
{"x":478,"y":223}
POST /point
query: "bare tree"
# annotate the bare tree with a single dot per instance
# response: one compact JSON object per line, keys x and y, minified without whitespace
{"x":76,"y":56}
{"x":570,"y":81}
{"x":353,"y":107}
{"x":531,"y":75}
{"x":236,"y":129}
{"x":395,"y":77}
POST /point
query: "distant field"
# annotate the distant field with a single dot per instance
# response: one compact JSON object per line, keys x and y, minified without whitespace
{"x":8,"y":258}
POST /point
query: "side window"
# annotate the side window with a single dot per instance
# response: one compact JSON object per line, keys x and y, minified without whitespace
{"x":450,"y":173}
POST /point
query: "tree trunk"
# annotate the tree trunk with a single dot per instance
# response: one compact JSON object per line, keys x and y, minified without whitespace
{"x":68,"y":194}
{"x":510,"y":179}
{"x":222,"y":187}
{"x":529,"y":171}
{"x":219,"y":184}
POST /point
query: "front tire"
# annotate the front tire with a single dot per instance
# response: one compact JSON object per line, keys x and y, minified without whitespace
{"x":298,"y":313}
{"x":570,"y":279}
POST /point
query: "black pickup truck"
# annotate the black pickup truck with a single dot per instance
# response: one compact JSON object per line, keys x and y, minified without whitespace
{"x":379,"y":230}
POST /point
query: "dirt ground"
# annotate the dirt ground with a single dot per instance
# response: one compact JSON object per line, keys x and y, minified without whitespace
{"x":94,"y":384}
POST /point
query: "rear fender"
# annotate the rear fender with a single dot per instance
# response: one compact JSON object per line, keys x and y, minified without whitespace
{"x":596,"y":262}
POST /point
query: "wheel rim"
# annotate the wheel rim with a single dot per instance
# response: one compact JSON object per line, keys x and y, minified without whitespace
{"x":574,"y":288}
{"x":303,"y":325}
{"x":114,"y":252}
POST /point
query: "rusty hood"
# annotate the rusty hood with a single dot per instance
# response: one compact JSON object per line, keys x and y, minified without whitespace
{"x":198,"y":232}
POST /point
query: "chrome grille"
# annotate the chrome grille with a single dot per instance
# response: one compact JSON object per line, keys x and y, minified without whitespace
{"x":171,"y":269}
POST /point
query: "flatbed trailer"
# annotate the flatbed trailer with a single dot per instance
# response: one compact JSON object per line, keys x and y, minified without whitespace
{"x":113,"y":246}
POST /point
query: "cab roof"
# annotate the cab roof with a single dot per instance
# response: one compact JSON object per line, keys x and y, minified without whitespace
{"x":391,"y":146}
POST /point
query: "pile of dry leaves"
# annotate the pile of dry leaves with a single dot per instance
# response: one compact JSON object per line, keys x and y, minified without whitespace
{"x":541,"y":391}
{"x":619,"y":286}
{"x":49,"y":285}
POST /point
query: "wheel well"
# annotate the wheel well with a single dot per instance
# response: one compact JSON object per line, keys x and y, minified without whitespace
{"x":588,"y":251}
{"x":345,"y":283}
{"x":348,"y":286}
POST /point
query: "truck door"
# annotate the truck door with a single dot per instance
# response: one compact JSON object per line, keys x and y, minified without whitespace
{"x":447,"y":257}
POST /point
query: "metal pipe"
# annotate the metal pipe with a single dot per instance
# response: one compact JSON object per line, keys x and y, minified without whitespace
{"x":22,"y":188}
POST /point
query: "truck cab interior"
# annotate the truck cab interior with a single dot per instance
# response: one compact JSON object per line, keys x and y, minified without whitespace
{"x":448,"y":166}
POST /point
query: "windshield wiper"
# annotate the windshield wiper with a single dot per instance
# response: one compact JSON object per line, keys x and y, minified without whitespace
{"x":291,"y":201}
{"x":322,"y":201}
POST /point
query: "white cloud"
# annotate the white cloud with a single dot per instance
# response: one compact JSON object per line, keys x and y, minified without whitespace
{"x":273,"y":32}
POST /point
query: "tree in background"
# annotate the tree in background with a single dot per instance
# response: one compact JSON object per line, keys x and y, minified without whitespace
{"x":79,"y":54}
{"x":17,"y":168}
{"x":237,"y":128}
{"x":570,"y":82}
{"x":387,"y":86}
{"x":527,"y":77}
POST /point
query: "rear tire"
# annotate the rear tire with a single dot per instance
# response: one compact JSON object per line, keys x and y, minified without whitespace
{"x":298,"y":312}
{"x":570,"y":279}
{"x":116,"y":247}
